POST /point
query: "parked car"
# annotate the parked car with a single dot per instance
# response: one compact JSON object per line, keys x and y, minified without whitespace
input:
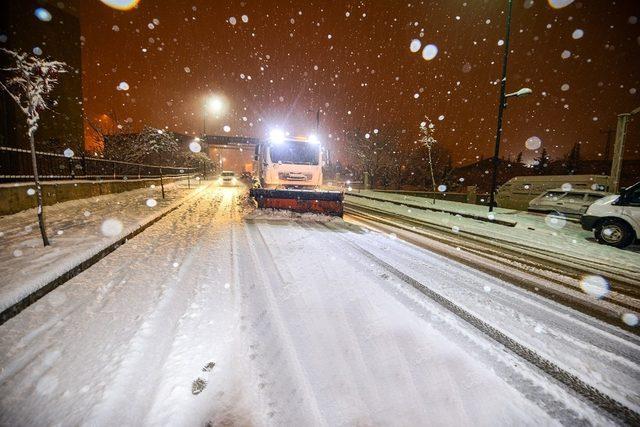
{"x":569,"y":202}
{"x":228,"y":178}
{"x":615,"y":219}
{"x":520,"y":190}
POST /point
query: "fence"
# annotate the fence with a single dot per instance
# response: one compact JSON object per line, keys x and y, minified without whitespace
{"x":15,"y":165}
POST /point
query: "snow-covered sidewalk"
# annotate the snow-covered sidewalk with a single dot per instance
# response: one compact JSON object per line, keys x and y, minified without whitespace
{"x":550,"y":235}
{"x":77,"y":230}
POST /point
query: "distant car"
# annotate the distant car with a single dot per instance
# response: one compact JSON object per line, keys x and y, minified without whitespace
{"x":228,"y":178}
{"x":246,"y":176}
{"x":569,"y":202}
{"x":615,"y":219}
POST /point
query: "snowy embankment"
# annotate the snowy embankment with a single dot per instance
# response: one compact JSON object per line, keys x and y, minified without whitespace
{"x":208,"y":318}
{"x":546,"y":235}
{"x":77,"y":230}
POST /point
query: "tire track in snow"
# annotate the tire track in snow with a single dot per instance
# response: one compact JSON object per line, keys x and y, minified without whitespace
{"x":350,"y":318}
{"x":588,"y":392}
{"x":269,"y":276}
{"x":454,"y":387}
{"x":600,"y":354}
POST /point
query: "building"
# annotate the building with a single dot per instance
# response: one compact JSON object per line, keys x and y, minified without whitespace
{"x":58,"y":39}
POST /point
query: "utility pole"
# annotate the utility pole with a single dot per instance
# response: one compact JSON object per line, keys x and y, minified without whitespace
{"x":618,"y":150}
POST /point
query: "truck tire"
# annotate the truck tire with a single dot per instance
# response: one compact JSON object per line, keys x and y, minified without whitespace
{"x":614,"y":232}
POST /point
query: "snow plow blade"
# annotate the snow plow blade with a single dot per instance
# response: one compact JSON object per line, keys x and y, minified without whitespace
{"x":320,"y":202}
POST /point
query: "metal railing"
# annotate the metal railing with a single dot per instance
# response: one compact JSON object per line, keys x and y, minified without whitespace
{"x":15,"y":165}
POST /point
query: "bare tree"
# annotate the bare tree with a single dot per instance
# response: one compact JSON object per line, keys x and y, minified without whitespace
{"x":30,"y":80}
{"x":370,"y":154}
{"x":427,"y":130}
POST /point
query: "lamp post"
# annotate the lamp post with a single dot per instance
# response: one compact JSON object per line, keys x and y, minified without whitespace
{"x":503,"y":104}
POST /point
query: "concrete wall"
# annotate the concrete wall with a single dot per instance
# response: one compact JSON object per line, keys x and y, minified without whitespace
{"x":14,"y":197}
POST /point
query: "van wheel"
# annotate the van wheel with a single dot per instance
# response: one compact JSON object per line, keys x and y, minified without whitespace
{"x":614,"y":232}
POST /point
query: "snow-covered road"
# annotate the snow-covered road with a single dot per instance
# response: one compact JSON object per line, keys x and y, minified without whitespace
{"x":213,"y":315}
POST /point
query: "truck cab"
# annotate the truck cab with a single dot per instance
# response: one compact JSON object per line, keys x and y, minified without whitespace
{"x":615,"y":219}
{"x":289,"y":163}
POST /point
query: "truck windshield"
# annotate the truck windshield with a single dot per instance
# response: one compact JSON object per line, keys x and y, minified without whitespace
{"x":294,"y":152}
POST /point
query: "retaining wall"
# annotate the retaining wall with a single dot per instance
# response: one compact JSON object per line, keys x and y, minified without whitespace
{"x":14,"y":197}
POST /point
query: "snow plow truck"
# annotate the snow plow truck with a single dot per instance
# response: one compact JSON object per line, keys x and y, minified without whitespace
{"x":289,"y":176}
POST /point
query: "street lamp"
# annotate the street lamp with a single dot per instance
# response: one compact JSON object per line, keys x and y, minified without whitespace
{"x":525,"y":91}
{"x":215,"y":104}
{"x":503,"y":104}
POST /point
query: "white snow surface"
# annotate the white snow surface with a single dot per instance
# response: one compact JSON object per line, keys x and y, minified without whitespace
{"x":540,"y":233}
{"x":75,"y":234}
{"x":289,"y":323}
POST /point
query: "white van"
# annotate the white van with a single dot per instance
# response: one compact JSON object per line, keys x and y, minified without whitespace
{"x":519,"y":191}
{"x":615,"y":219}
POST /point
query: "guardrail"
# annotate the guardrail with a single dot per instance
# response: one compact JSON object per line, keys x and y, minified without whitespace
{"x":469,"y":197}
{"x":15,"y":165}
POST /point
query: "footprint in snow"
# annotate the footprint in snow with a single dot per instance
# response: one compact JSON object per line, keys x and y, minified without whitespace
{"x":199,"y":384}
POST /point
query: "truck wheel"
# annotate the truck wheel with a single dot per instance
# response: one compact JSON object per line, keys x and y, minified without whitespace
{"x":614,"y":232}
